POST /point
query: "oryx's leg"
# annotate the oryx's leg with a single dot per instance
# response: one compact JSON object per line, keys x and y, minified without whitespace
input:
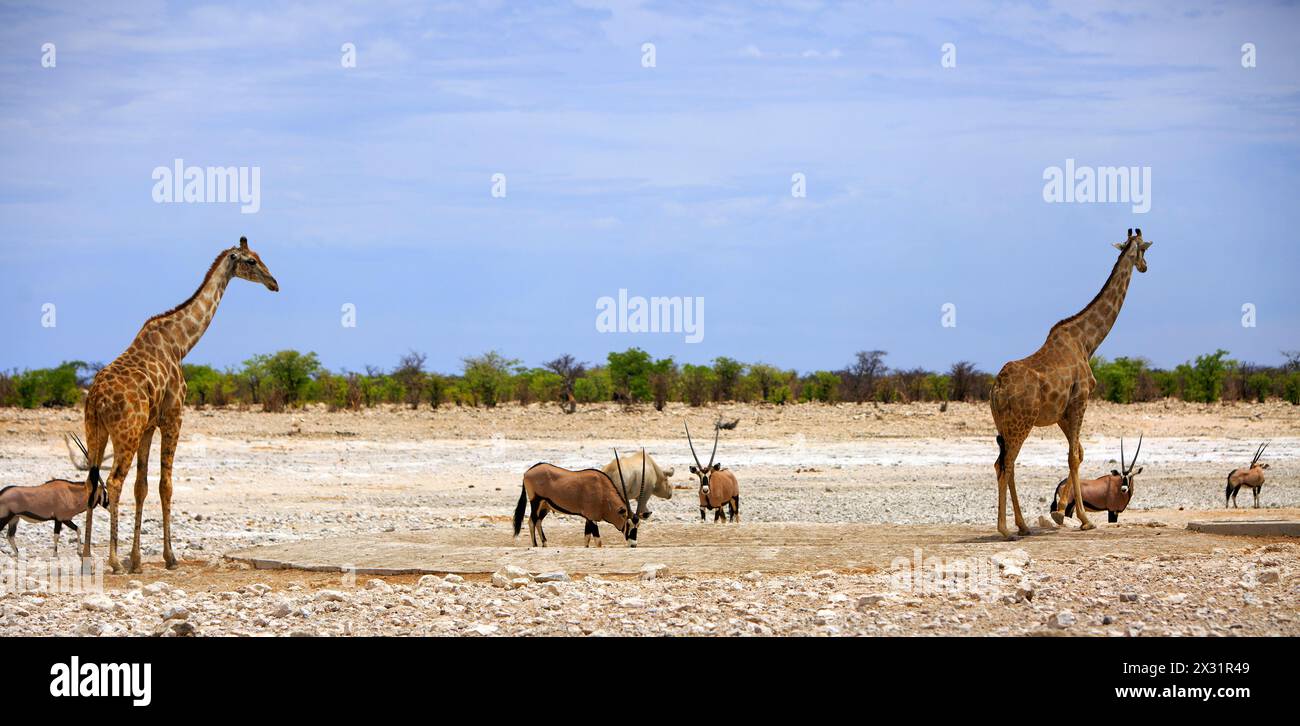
{"x":1256,"y":491}
{"x":1112,"y":517}
{"x":1012,"y":439}
{"x":592,"y":531}
{"x":540,"y":516}
{"x":58,"y":527}
{"x":9,"y":534}
{"x":702,"y":514}
{"x":735,"y":510}
{"x":719,"y":515}
{"x":532,"y":518}
{"x":731,"y":505}
{"x":1234,"y":497}
{"x":75,"y":532}
{"x":141,"y":491}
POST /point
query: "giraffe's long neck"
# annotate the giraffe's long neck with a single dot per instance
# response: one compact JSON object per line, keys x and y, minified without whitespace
{"x":181,"y":328}
{"x":1092,"y":324}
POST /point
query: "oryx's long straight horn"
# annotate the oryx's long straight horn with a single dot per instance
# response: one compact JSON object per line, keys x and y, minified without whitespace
{"x":82,"y":463}
{"x":692,"y":444}
{"x":622,"y":485}
{"x":1258,"y":453}
{"x":1123,"y":462}
{"x":1135,"y":453}
{"x":716,"y":431}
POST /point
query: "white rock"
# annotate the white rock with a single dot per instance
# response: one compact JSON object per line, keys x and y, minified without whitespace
{"x":99,"y":603}
{"x":1025,"y":592}
{"x":482,"y":629}
{"x":653,"y":570}
{"x":1017,"y":557}
{"x":331,"y":596}
{"x":1062,"y":620}
{"x":179,"y":612}
{"x":557,"y":576}
{"x":156,"y":588}
{"x":379,"y":586}
{"x":453,"y":578}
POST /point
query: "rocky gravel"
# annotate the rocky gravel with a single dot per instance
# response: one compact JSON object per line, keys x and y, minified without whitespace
{"x":1253,"y":590}
{"x":245,"y":479}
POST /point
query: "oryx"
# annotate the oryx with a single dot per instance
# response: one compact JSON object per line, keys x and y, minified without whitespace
{"x":718,"y":486}
{"x":1251,"y":476}
{"x":1110,"y":493}
{"x":57,"y":500}
{"x":587,"y":493}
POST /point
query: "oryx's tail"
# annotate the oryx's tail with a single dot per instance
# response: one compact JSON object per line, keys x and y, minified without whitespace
{"x":519,"y":508}
{"x":1227,"y":493}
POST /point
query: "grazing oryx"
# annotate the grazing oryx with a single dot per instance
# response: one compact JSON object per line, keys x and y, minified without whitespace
{"x":652,"y":480}
{"x":718,"y":487}
{"x":57,"y":500}
{"x":1110,"y":493}
{"x":1252,"y":476}
{"x":588,"y":493}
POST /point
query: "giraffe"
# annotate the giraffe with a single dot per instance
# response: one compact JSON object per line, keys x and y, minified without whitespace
{"x":1052,"y":386}
{"x":143,"y":390}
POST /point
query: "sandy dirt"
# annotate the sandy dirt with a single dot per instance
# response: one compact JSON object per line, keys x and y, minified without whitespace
{"x":849,"y":488}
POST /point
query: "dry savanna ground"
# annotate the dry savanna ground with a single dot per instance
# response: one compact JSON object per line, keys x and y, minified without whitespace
{"x":856,"y":519}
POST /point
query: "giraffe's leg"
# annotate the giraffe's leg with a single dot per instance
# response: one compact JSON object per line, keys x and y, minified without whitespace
{"x":141,"y":491}
{"x":96,"y":442}
{"x":125,"y":442}
{"x":1021,"y":528}
{"x":1005,"y":468}
{"x":171,"y":434}
{"x":1072,"y":424}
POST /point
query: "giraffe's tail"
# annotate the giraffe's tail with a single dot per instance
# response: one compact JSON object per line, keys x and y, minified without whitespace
{"x":1001,"y":463}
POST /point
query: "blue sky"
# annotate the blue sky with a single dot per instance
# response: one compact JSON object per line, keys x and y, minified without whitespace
{"x":924,"y":183}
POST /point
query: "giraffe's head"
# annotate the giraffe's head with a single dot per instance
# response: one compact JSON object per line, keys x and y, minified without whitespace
{"x":248,"y":265}
{"x":1136,"y":246}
